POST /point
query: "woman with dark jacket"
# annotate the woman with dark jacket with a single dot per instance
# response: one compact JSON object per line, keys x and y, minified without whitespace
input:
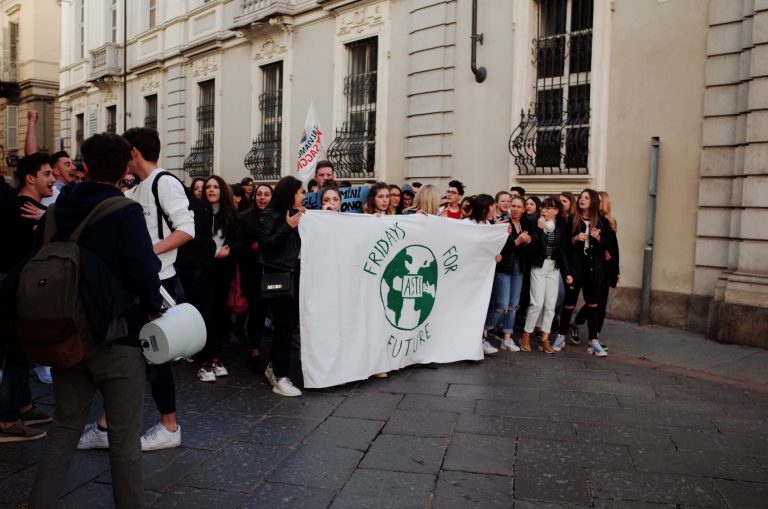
{"x":548,"y":256}
{"x":589,"y":235}
{"x":508,"y":279}
{"x":280,"y":247}
{"x":251,"y":269}
{"x":218,"y":197}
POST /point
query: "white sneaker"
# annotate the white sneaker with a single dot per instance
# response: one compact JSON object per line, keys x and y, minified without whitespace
{"x":270,"y":375}
{"x":597,"y":350}
{"x":509,"y":345}
{"x":218,"y":368}
{"x":559,"y":343}
{"x":381,"y":375}
{"x":158,"y":437}
{"x":206,"y":374}
{"x":489,"y":349}
{"x":284,"y":387}
{"x":93,"y":438}
{"x":44,"y":374}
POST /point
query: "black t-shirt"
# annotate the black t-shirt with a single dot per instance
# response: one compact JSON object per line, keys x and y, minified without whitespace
{"x":18,"y":232}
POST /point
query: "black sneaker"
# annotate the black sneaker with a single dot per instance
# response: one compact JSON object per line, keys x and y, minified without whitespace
{"x":35,"y":416}
{"x":574,"y":333}
{"x":20,"y":432}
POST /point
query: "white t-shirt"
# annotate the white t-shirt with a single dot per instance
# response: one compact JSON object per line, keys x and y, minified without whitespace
{"x":174,"y":202}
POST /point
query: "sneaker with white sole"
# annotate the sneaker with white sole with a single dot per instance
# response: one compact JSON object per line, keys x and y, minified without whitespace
{"x":218,"y":368}
{"x":509,"y":345}
{"x":20,"y":432}
{"x":559,"y":343}
{"x":158,"y":437}
{"x":93,"y":438}
{"x":35,"y":416}
{"x":284,"y":387}
{"x":574,"y":333}
{"x":270,"y":375}
{"x":489,"y":349}
{"x":44,"y":374}
{"x":597,"y":350}
{"x":206,"y":373}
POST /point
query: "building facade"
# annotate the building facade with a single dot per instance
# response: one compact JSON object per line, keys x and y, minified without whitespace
{"x":29,"y":76}
{"x":551,"y":95}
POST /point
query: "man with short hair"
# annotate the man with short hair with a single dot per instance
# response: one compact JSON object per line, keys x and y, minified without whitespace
{"x":453,"y":197}
{"x":64,"y":171}
{"x":517,"y":191}
{"x":324,"y":173}
{"x":35,"y":180}
{"x":180,"y":228}
{"x":115,"y":369}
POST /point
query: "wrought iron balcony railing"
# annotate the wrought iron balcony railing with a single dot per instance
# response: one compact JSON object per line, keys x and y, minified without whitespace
{"x":263,"y":160}
{"x":106,"y":60}
{"x":199,"y":163}
{"x":353,"y":151}
{"x":8,"y":71}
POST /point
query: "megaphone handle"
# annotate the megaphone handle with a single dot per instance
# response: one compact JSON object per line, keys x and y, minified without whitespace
{"x":167,"y":299}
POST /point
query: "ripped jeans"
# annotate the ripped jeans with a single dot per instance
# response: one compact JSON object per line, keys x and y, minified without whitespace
{"x":504,"y":299}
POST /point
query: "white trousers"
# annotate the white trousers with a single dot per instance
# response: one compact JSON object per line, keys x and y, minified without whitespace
{"x":544,"y":284}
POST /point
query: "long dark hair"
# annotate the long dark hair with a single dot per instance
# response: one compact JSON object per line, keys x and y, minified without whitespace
{"x":285,"y":194}
{"x":572,"y":207}
{"x":370,"y":200}
{"x":481,"y":206}
{"x":225,"y":217}
{"x":592,"y":214}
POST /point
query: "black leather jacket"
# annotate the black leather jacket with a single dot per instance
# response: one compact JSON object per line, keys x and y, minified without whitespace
{"x":279,"y":244}
{"x":538,"y":248}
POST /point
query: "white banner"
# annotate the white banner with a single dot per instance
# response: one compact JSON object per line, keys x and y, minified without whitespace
{"x":310,"y":145}
{"x":380,"y":293}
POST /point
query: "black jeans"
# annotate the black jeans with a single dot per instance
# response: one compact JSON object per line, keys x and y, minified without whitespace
{"x":161,"y":376}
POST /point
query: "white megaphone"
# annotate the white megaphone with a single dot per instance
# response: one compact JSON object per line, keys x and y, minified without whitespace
{"x":179,"y":332}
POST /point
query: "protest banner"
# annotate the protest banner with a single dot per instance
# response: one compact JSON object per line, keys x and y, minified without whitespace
{"x":352,"y":199}
{"x":310,"y":146}
{"x":381,"y":293}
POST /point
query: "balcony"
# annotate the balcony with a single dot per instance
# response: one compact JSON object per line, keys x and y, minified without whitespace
{"x":252,"y":11}
{"x":106,"y":61}
{"x":9,"y":78}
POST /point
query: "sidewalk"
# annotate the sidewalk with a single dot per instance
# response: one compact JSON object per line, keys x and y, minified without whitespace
{"x":668,"y":419}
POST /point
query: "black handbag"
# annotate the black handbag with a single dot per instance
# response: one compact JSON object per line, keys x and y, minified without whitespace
{"x":277,"y":283}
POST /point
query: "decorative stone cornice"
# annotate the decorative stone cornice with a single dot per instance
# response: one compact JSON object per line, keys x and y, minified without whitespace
{"x":360,"y":20}
{"x":150,"y":83}
{"x":204,"y":67}
{"x":270,"y":48}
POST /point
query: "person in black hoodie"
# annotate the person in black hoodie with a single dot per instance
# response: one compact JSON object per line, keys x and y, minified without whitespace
{"x":280,"y":246}
{"x":590,"y":235}
{"x":116,"y":369}
{"x":251,"y":268}
{"x":549,"y":263}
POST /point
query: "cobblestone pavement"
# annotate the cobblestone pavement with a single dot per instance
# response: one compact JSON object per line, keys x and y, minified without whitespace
{"x":516,"y":430}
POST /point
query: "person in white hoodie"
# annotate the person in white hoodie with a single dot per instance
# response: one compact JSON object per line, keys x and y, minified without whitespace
{"x":170,"y":226}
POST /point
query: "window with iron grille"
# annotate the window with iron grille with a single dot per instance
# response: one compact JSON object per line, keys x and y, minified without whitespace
{"x":150,"y":109}
{"x":79,"y":135}
{"x":111,"y":119}
{"x":263,"y":160}
{"x":353,"y":151}
{"x":553,"y":136}
{"x":200,"y":160}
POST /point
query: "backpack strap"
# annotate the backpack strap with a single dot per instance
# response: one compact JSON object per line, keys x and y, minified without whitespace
{"x":50,"y":225}
{"x":161,"y":215}
{"x":100,"y":211}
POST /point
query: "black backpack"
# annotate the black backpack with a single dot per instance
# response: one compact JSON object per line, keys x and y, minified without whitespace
{"x":198,"y":253}
{"x":67,"y":297}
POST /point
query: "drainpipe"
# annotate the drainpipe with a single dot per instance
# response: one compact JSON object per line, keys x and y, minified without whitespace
{"x":479,"y":72}
{"x":125,"y":65}
{"x":650,"y":222}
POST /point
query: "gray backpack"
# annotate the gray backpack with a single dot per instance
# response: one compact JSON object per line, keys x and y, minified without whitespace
{"x":53,"y":322}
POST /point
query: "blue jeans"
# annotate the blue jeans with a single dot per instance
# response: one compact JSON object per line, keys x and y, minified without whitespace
{"x":504,"y":299}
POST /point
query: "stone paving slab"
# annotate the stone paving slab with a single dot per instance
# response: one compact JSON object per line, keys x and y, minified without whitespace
{"x":513,"y":431}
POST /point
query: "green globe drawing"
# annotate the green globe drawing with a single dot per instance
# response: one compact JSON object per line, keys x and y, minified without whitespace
{"x":408,"y":287}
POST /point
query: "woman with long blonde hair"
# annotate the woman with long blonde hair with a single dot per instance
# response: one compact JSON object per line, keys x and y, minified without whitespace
{"x":427,"y":201}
